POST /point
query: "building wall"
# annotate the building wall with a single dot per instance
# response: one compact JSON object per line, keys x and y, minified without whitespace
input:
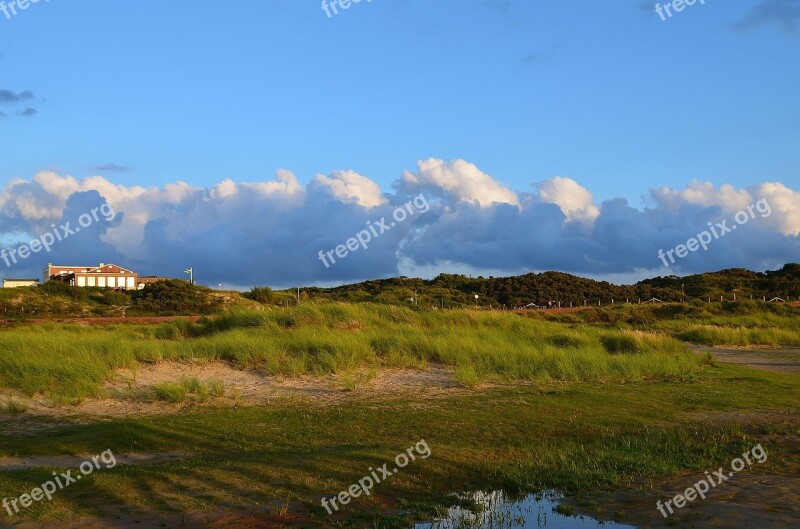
{"x":12,"y":283}
{"x":126,"y":281}
{"x":103,"y":276}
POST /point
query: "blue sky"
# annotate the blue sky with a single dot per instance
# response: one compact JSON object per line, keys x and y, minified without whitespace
{"x":606,"y":93}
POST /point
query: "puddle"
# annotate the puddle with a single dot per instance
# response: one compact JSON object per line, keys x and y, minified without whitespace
{"x":503,"y":512}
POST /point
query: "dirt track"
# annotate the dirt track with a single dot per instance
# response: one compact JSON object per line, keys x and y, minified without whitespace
{"x":784,"y":359}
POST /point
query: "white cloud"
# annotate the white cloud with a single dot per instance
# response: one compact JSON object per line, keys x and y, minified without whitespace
{"x":461,"y":180}
{"x":270,"y":232}
{"x":785,"y":204}
{"x":575,"y":201}
{"x":349,"y":186}
{"x":784,"y":201}
{"x":705,"y":194}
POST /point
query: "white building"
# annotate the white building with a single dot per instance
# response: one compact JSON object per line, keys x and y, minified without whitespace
{"x":18,"y":283}
{"x":103,"y":276}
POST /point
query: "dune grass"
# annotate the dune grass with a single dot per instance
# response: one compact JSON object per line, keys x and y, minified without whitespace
{"x":69,"y":362}
{"x":743,"y":323}
{"x":186,"y":389}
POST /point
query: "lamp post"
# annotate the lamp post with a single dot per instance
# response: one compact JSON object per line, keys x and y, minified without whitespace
{"x":191,"y":275}
{"x":476,"y":301}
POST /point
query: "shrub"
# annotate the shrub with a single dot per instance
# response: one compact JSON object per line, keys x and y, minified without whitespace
{"x":59,"y":288}
{"x":173,"y":296}
{"x":264,"y":295}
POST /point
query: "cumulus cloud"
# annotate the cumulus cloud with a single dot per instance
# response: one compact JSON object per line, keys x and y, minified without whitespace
{"x":575,"y":201}
{"x":784,"y":201}
{"x":349,"y":186}
{"x":271,"y":231}
{"x":460,"y":181}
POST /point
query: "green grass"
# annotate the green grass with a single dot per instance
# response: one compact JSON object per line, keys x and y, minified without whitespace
{"x":70,"y":362}
{"x":744,"y":323}
{"x":186,"y":389}
{"x":574,"y":436}
{"x":737,"y":336}
{"x":617,"y":398}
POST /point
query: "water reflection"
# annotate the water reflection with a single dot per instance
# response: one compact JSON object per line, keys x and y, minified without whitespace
{"x":503,"y":512}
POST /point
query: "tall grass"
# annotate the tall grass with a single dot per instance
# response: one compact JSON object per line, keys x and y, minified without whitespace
{"x":70,"y":362}
{"x":742,"y":323}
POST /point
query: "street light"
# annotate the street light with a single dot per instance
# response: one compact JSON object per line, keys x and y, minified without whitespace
{"x":476,"y":301}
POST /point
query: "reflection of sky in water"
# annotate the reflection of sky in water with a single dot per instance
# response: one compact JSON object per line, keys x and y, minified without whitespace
{"x":502,"y":512}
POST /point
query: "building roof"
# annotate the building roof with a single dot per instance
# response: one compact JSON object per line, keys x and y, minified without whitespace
{"x":90,"y":269}
{"x":99,"y":269}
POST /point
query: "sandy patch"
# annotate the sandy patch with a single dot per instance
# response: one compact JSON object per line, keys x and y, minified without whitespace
{"x":242,"y":387}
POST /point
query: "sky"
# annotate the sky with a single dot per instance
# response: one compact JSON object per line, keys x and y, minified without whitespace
{"x":244,"y":138}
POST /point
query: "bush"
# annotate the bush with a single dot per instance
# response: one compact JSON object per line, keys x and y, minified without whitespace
{"x":173,"y":296}
{"x":59,"y":288}
{"x":264,"y":295}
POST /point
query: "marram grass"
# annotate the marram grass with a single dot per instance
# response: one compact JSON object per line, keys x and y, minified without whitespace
{"x":70,"y":362}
